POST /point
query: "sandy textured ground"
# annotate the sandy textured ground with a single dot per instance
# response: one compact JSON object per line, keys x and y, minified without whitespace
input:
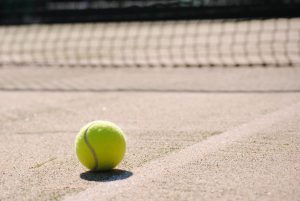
{"x":234,"y":133}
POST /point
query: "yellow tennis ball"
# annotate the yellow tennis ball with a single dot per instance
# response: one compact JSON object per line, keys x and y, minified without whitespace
{"x":100,"y":145}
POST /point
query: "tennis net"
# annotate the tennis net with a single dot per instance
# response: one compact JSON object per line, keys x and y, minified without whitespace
{"x":177,"y":33}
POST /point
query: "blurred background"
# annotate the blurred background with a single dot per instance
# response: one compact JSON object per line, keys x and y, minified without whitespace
{"x":176,"y":33}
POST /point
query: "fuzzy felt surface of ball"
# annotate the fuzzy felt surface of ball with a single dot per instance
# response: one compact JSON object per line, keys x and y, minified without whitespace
{"x":100,"y":145}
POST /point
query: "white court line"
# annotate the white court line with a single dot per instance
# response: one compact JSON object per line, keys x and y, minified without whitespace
{"x":171,"y":163}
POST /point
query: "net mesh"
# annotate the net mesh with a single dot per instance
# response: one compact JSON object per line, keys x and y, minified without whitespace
{"x":139,"y":33}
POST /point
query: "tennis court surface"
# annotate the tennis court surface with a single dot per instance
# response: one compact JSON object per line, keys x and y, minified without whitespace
{"x":207,"y":92}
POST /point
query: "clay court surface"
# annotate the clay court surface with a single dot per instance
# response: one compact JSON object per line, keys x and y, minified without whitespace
{"x":217,"y":133}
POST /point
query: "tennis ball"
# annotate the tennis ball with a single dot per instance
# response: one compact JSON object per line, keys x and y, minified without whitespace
{"x":100,"y":145}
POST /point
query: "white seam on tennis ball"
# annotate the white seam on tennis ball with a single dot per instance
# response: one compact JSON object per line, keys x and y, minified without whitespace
{"x":91,"y":148}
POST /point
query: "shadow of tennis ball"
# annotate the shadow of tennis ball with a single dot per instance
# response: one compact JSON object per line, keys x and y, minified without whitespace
{"x":107,"y":176}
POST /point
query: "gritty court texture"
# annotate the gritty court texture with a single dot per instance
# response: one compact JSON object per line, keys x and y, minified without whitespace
{"x":193,"y":133}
